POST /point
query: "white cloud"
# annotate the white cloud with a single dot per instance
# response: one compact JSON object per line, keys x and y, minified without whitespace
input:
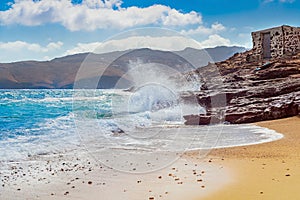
{"x":202,"y":30}
{"x":54,"y":45}
{"x":20,"y":50}
{"x":34,"y":47}
{"x":94,"y":14}
{"x":167,"y":43}
{"x":83,"y":48}
{"x":215,"y":40}
{"x":175,"y":18}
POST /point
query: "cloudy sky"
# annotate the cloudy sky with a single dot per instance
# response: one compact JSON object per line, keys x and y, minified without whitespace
{"x":44,"y":29}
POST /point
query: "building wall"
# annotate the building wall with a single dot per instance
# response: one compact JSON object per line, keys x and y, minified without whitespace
{"x":285,"y":40}
{"x":291,"y":40}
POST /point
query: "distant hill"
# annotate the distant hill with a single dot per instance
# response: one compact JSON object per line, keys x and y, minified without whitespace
{"x":200,"y":58}
{"x":61,"y":72}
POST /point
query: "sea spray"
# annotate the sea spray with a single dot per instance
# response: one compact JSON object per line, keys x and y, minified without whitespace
{"x":48,"y":133}
{"x":154,"y":89}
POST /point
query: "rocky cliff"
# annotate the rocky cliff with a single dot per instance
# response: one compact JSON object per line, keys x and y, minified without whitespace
{"x":241,"y":91}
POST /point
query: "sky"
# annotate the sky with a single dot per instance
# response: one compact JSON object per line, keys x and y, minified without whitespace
{"x":45,"y":29}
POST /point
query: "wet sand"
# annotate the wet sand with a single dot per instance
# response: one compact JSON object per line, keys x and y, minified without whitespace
{"x":78,"y":176}
{"x":268,"y":171}
{"x":264,"y":171}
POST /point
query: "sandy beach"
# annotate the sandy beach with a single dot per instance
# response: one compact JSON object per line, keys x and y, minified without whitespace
{"x":264,"y":171}
{"x":80,"y":177}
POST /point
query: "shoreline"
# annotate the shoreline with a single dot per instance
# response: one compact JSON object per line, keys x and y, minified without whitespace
{"x":78,"y":176}
{"x":264,"y":171}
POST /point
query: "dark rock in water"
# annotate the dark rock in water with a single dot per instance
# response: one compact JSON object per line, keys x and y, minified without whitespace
{"x":248,"y":95}
{"x":202,"y":119}
{"x":117,"y":132}
{"x":196,"y":120}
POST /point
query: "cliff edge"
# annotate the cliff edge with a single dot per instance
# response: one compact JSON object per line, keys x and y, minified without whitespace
{"x":251,"y":90}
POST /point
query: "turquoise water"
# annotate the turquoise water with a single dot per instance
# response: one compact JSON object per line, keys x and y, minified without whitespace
{"x":35,"y":122}
{"x":22,"y":111}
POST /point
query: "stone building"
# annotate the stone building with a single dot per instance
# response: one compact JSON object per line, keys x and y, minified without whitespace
{"x":275,"y":42}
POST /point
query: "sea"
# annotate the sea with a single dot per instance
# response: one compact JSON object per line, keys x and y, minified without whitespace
{"x":120,"y":129}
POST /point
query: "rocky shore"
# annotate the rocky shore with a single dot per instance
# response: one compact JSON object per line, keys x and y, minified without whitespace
{"x":242,"y":91}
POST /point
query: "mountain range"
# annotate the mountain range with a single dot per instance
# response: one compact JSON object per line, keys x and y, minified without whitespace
{"x":106,"y":69}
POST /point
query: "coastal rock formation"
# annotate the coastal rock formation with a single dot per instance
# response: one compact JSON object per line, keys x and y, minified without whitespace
{"x":247,"y":91}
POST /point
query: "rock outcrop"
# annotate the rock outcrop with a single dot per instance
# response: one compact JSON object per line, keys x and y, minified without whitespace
{"x":239,"y":91}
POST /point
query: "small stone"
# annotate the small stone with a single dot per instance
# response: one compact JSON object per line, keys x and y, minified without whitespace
{"x":90,"y":182}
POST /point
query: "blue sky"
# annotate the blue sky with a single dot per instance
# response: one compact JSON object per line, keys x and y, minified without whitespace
{"x":44,"y":29}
